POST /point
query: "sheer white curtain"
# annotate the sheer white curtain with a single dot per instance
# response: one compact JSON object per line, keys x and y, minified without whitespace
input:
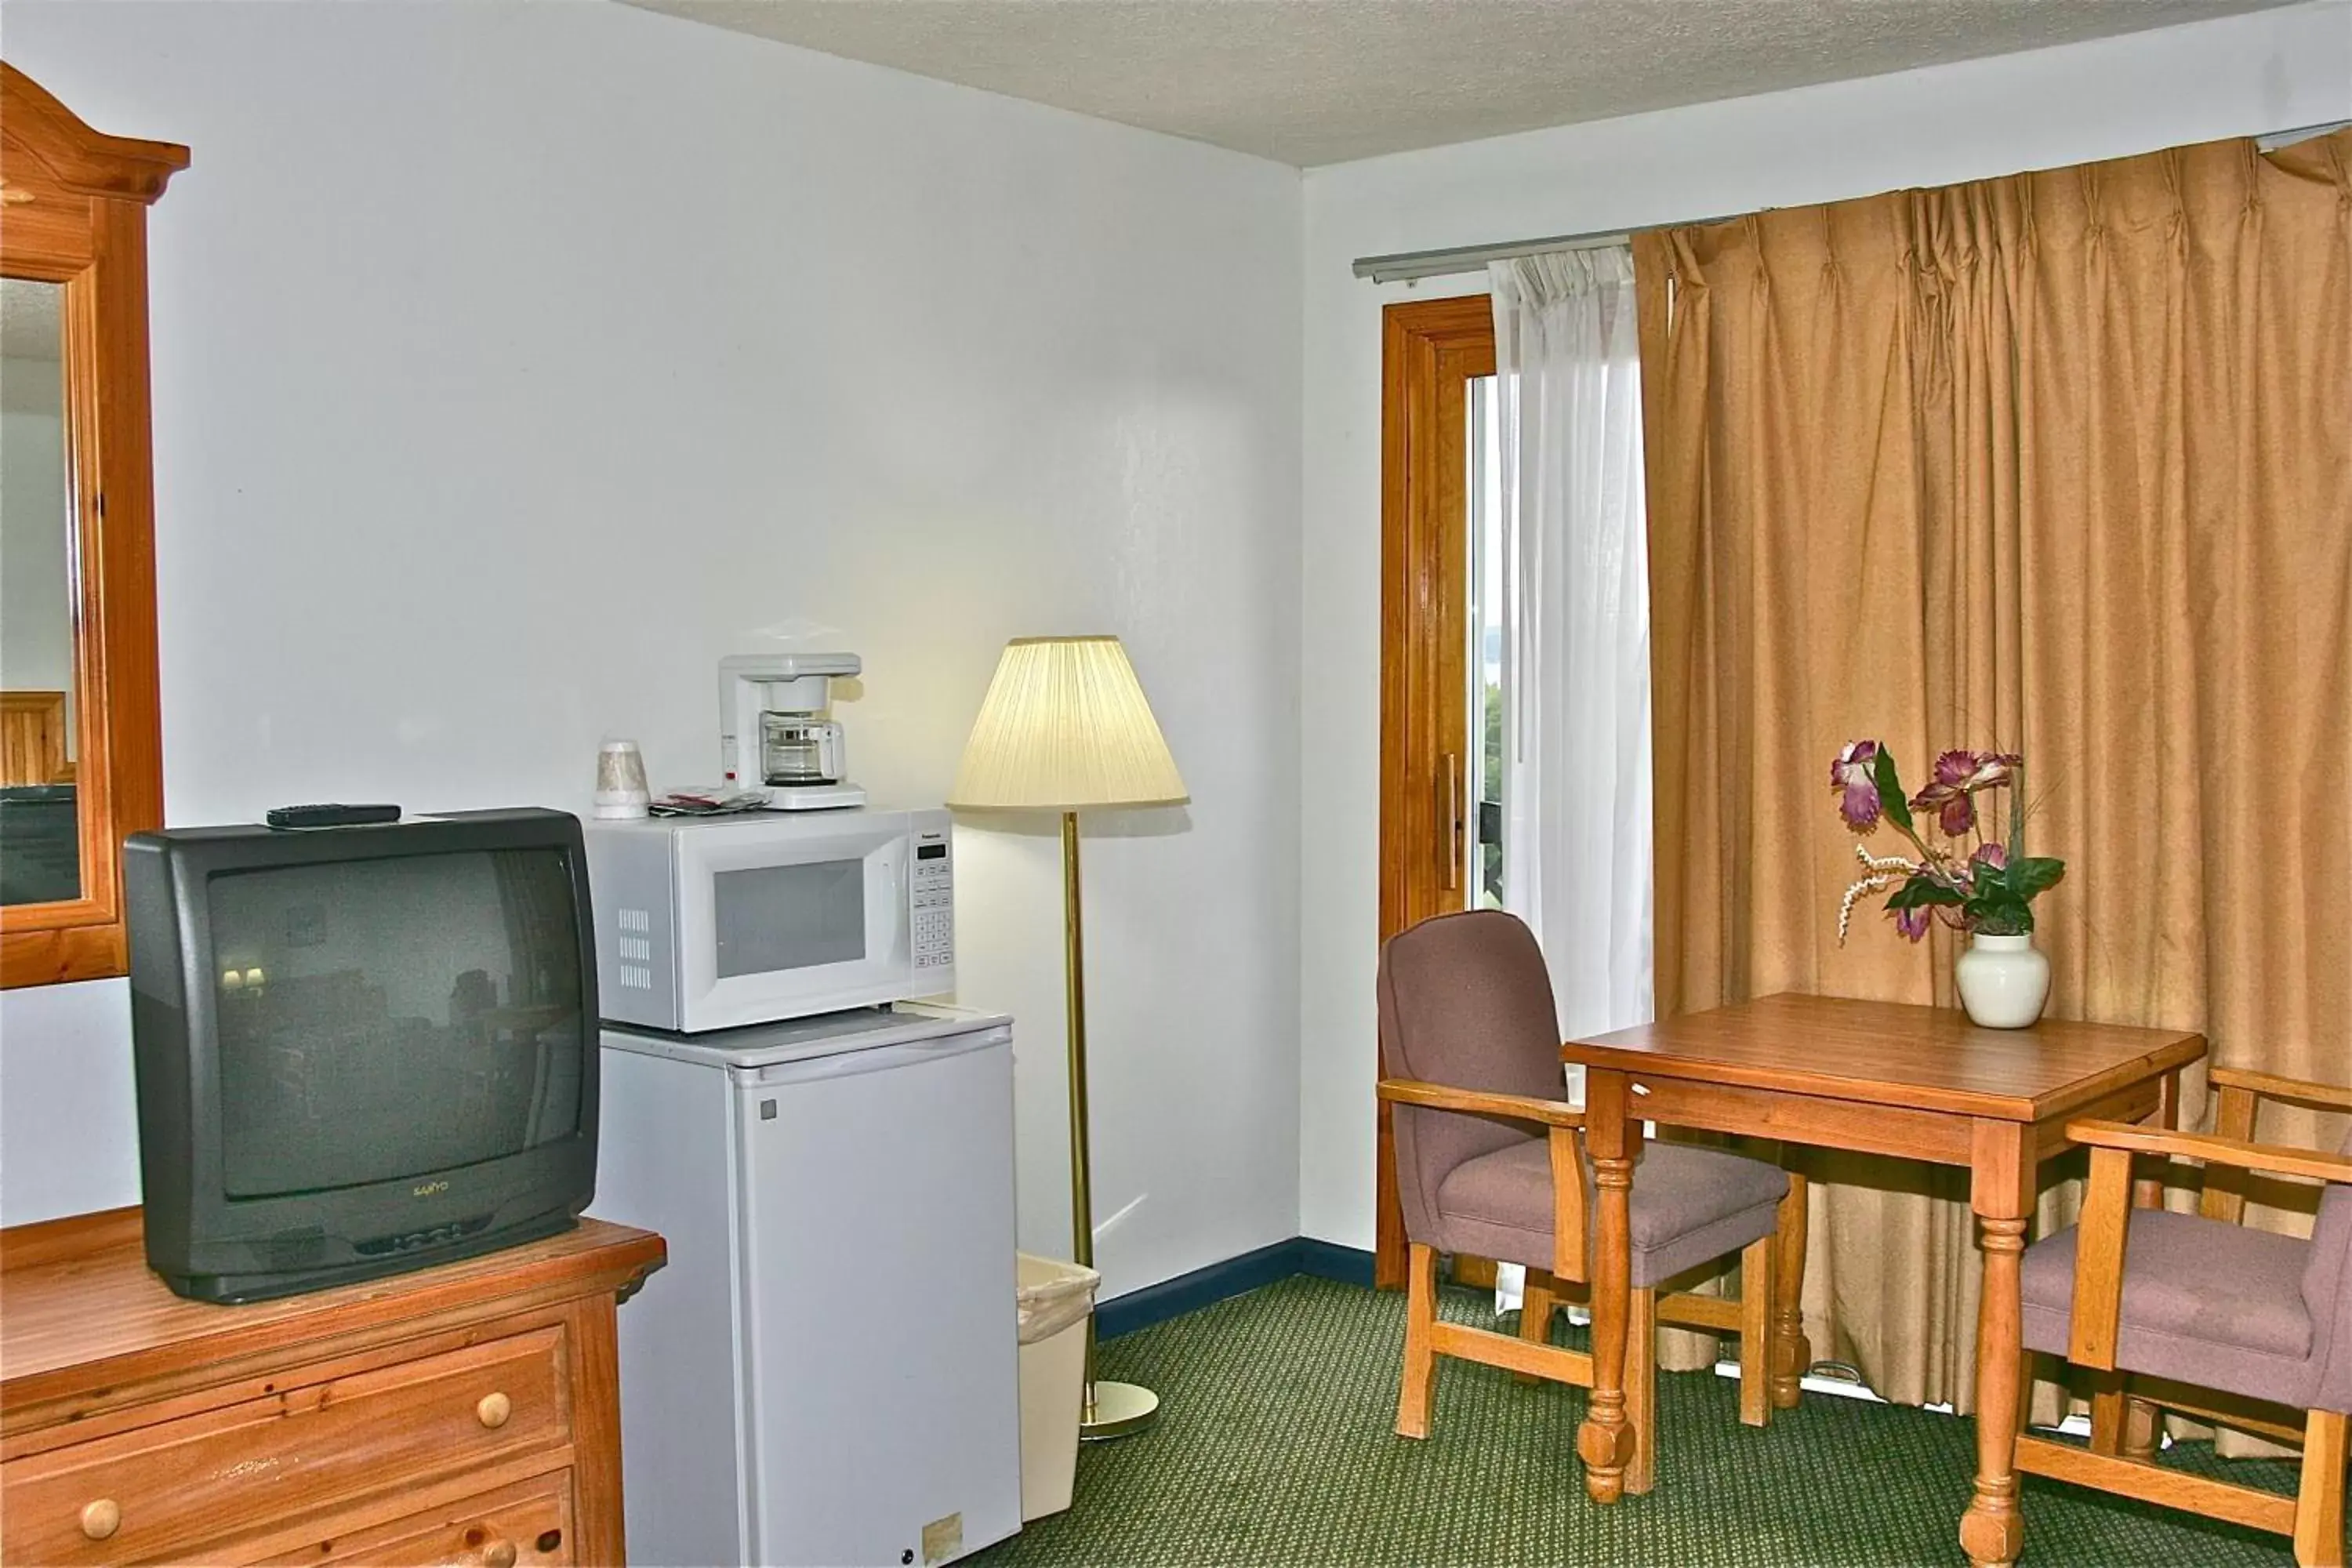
{"x":1576,"y":645}
{"x":1576,"y":636}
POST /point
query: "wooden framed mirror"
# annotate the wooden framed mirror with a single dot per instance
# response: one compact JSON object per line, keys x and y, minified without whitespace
{"x":81,"y":762}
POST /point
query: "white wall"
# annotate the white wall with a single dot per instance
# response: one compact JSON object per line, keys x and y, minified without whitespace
{"x":513,"y":363}
{"x":2237,"y":76}
{"x":466,"y":318}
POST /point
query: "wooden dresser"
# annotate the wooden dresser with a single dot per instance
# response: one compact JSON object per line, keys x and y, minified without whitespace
{"x":467,"y":1414}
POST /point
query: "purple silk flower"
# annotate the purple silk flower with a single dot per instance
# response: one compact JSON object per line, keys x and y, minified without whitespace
{"x":1957,"y":776}
{"x":1853,"y":775}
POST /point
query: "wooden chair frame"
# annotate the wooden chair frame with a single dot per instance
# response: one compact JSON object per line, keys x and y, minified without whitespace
{"x":1529,"y":1353}
{"x":2121,"y":1461}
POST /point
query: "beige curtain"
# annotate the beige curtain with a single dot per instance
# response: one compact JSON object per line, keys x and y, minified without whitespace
{"x":2058,"y":463}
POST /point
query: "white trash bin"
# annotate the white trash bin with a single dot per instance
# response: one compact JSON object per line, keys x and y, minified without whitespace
{"x":1057,"y":1298}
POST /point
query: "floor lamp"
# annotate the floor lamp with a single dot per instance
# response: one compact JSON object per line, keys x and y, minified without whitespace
{"x":1064,"y":727}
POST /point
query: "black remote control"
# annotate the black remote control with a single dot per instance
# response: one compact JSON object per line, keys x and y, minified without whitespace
{"x":331,"y":816}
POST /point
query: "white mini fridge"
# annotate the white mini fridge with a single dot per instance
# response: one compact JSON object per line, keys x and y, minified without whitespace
{"x":826,"y":1372}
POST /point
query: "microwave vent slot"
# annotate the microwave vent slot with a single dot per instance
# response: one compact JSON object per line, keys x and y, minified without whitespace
{"x":633,"y":944}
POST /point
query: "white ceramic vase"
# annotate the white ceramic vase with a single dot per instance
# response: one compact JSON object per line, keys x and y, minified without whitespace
{"x":2003,"y":981}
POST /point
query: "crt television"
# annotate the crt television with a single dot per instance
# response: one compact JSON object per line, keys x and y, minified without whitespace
{"x":361,"y":1050}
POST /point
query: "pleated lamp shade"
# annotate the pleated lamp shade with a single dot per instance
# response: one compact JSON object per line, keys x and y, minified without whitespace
{"x":1065,"y":726}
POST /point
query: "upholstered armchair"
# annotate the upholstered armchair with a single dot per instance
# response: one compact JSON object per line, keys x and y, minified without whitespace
{"x":2197,"y":1313}
{"x":1490,"y":1164}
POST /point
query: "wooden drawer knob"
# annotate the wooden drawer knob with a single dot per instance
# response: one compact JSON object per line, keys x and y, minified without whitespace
{"x":101,"y":1518}
{"x":492,"y":1411}
{"x":499,"y":1554}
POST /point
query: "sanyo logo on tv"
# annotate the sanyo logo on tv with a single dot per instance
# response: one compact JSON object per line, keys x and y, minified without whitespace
{"x":427,"y":1189}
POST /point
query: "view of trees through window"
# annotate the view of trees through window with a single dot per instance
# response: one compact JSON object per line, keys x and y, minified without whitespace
{"x":1486,"y":662}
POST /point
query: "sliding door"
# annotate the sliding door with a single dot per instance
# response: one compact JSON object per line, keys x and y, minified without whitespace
{"x":1439,"y":657}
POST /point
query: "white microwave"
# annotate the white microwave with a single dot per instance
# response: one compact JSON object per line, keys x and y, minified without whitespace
{"x":716,"y":921}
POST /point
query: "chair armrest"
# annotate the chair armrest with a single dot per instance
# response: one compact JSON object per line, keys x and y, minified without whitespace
{"x":2270,"y":1086}
{"x":2104,"y":1225}
{"x":2100,"y":1231}
{"x":1479,"y":1102}
{"x":2275,"y":1158}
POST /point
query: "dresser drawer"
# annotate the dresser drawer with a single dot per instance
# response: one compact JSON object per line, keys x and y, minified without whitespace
{"x":153,"y":1490}
{"x":528,"y":1525}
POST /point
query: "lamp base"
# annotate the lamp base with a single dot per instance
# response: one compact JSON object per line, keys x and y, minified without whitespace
{"x":1117,"y":1410}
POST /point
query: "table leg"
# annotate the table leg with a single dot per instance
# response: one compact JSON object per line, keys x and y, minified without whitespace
{"x":2142,"y":1429}
{"x":1792,"y":1354}
{"x":1992,"y":1532}
{"x":2149,"y":1191}
{"x":1605,"y":1441}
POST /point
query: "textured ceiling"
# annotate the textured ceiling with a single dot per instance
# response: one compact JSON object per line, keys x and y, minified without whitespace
{"x":1321,"y":81}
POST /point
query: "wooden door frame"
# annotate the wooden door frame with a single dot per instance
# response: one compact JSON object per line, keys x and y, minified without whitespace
{"x":1431,"y":349}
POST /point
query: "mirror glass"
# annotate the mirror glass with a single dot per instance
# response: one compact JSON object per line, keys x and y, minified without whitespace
{"x":40,"y":859}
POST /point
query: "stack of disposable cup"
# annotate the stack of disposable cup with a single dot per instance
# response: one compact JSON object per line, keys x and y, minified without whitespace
{"x":621,"y":781}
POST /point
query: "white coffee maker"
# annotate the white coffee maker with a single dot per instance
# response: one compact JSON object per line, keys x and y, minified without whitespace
{"x":774,"y":736}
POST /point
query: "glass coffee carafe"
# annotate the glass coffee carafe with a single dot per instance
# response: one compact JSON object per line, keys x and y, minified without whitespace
{"x":800,"y":749}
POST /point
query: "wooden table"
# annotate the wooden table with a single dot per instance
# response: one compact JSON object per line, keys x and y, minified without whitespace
{"x":1921,"y":1083}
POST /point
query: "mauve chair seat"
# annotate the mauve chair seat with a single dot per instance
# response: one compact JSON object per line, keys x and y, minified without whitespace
{"x":1690,"y":1204}
{"x":2209,"y":1303}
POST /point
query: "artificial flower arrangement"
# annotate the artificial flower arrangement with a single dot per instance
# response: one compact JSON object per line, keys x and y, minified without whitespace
{"x":1972,"y":883}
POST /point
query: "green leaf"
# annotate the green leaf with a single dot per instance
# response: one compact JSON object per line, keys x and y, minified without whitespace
{"x":2017,"y":809}
{"x":1890,"y":789}
{"x":1992,"y":903}
{"x":2013,"y":919}
{"x":2033,"y":874}
{"x":1921,"y":891}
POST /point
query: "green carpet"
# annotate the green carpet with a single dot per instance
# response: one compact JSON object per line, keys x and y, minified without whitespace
{"x":1275,"y":1447}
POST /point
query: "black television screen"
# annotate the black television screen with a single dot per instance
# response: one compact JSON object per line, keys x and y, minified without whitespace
{"x":354,"y":993}
{"x":359,"y":1048}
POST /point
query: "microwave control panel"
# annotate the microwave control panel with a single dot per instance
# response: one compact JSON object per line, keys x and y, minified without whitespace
{"x":934,"y":902}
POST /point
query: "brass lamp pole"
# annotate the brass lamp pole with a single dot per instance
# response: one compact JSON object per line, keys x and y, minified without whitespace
{"x":1065,"y":726}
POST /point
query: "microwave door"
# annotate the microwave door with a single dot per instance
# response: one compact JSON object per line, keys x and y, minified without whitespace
{"x":792,"y":926}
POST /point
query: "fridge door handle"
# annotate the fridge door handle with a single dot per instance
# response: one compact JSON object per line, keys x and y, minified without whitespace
{"x":876,"y":1058}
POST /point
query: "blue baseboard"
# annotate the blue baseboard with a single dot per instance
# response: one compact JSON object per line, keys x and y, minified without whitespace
{"x":1329,"y":1260}
{"x":1234,"y":1277}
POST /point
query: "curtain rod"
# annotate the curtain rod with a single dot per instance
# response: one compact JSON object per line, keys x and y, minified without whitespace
{"x":1416,"y":263}
{"x":1407,"y":266}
